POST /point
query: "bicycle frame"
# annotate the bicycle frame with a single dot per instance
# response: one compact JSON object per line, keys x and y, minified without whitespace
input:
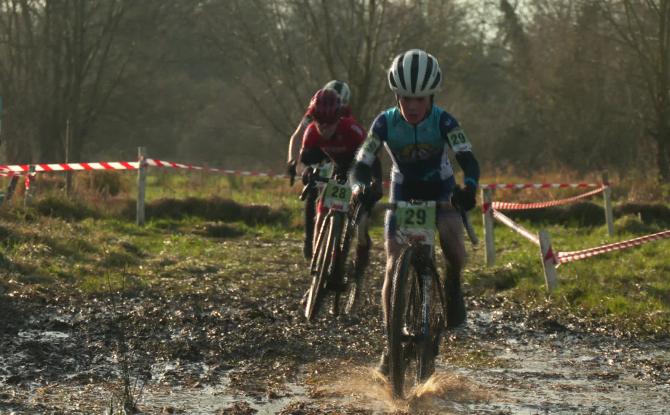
{"x":327,"y":264}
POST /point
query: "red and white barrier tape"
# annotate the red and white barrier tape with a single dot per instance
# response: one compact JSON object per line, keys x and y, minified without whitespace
{"x":564,"y":257}
{"x":537,"y":185}
{"x":539,"y":205}
{"x":163,"y":163}
{"x":516,"y":227}
{"x":112,"y":165}
{"x":9,"y":170}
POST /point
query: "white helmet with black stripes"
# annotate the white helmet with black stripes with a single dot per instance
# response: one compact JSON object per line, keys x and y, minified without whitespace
{"x":415,"y":73}
{"x":341,"y":88}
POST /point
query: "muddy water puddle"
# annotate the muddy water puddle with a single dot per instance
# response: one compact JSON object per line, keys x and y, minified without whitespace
{"x":530,"y":372}
{"x":567,"y":373}
{"x":499,"y":364}
{"x":215,"y":399}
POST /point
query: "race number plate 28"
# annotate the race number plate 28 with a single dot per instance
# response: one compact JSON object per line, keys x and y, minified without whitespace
{"x":416,"y":221}
{"x":336,"y":196}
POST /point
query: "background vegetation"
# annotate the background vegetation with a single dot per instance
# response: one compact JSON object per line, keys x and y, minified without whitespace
{"x":540,"y":85}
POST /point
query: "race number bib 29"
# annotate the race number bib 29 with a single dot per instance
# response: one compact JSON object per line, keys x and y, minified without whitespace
{"x":416,"y":221}
{"x":336,"y":196}
{"x":458,"y":140}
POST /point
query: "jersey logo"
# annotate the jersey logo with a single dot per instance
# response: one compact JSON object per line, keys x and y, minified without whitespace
{"x":419,"y":151}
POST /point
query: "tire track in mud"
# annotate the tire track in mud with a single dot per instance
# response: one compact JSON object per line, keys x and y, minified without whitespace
{"x":243,"y":347}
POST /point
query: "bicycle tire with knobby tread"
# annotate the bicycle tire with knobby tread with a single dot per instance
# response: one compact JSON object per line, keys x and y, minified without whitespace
{"x":407,"y":305}
{"x":427,"y":348}
{"x":318,"y":268}
{"x":396,"y":344}
{"x":348,"y":258}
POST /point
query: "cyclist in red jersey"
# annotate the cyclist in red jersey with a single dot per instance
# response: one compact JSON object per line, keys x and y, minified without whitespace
{"x":336,"y":137}
{"x":294,"y":146}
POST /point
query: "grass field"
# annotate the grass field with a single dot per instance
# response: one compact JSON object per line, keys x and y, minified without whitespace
{"x":89,"y":243}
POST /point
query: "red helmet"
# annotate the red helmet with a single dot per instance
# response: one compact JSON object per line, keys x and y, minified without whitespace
{"x":325,"y":106}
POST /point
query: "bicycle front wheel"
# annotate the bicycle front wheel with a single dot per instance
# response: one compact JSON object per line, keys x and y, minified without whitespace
{"x":405,"y":319}
{"x":319,"y":268}
{"x":431,"y":319}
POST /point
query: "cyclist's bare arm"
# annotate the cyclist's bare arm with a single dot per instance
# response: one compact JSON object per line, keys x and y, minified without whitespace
{"x":295,"y":142}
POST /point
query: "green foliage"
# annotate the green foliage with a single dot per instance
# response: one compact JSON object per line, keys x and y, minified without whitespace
{"x":215,"y":209}
{"x":633,"y":224}
{"x":218,"y":230}
{"x":108,"y":183}
{"x":64,"y":208}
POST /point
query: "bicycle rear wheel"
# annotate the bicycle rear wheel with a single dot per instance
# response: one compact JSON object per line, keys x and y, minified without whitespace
{"x":405,"y":319}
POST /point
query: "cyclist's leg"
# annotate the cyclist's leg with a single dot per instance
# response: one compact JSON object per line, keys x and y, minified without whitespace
{"x":450,"y":228}
{"x":364,"y":243}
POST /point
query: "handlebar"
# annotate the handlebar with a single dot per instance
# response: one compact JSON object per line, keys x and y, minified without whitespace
{"x":312,"y":179}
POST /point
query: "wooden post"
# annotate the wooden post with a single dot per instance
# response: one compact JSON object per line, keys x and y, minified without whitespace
{"x":607,"y":196}
{"x":28,"y":194}
{"x":141,"y":184}
{"x":487,"y":214}
{"x":68,"y":174}
{"x":549,"y":261}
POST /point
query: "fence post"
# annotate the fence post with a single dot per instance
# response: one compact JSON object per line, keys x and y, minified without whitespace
{"x":607,"y":196}
{"x":68,"y":173}
{"x":27,"y":195}
{"x":141,"y":184}
{"x":487,"y":214}
{"x":549,"y":261}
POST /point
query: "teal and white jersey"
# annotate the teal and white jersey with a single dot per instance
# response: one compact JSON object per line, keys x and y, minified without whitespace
{"x":419,"y":152}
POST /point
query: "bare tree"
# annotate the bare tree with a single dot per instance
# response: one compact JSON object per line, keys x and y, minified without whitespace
{"x":292,"y":47}
{"x":644,"y":27}
{"x":58,"y":62}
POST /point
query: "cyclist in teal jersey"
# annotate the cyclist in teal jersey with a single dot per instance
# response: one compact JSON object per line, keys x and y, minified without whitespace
{"x":418,"y":136}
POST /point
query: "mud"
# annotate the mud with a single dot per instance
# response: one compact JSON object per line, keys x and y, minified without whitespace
{"x":196,"y":343}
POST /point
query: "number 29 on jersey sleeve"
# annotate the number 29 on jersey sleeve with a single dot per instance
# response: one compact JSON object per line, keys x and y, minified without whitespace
{"x":458,"y":140}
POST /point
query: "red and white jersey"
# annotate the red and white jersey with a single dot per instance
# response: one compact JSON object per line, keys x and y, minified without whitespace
{"x":341,"y":147}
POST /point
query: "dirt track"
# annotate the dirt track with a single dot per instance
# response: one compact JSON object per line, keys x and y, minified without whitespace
{"x":241,"y":346}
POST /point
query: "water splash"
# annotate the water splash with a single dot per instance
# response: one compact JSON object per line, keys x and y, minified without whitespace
{"x":444,"y":392}
{"x":364,"y":387}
